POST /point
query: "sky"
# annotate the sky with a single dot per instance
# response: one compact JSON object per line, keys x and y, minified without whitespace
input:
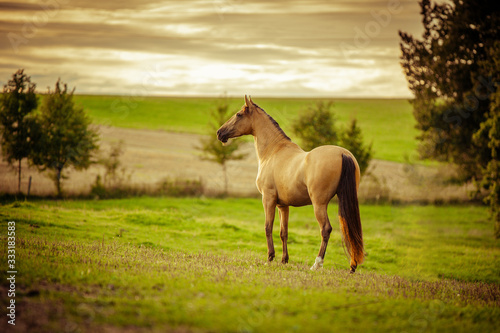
{"x":282,"y":48}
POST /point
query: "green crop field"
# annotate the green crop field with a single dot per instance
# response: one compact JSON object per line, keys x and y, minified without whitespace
{"x":388,"y":123}
{"x":196,"y":264}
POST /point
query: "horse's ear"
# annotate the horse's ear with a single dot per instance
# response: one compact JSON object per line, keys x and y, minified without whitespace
{"x":250,"y":98}
{"x":247,"y":102}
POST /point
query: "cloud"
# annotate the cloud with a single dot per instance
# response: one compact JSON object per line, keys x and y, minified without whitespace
{"x":306,"y":48}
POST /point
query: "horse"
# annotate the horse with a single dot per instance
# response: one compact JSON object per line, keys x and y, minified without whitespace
{"x":289,"y":176}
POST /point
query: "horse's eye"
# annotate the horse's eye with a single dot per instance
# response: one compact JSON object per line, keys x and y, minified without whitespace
{"x":239,"y":115}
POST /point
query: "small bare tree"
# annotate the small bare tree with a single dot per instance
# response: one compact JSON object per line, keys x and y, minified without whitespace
{"x":211,"y":148}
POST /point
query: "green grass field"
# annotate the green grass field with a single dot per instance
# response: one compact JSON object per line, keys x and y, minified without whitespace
{"x":381,"y":120}
{"x":195,"y":264}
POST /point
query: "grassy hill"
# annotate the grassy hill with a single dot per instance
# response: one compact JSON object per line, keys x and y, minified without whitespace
{"x":388,"y":123}
{"x":170,"y":264}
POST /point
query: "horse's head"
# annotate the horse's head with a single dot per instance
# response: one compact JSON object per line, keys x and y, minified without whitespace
{"x":239,"y":124}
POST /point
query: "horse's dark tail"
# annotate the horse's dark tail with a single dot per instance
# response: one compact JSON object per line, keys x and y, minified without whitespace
{"x":350,"y":221}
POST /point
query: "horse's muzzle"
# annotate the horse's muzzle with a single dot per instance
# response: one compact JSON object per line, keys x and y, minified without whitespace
{"x":222,"y":136}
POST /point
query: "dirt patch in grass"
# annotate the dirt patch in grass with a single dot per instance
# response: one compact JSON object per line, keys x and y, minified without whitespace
{"x":152,"y":156}
{"x":43,"y":314}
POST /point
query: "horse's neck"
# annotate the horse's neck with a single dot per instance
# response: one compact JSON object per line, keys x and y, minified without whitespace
{"x":267,"y":138}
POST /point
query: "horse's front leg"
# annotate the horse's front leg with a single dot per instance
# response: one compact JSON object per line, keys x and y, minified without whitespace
{"x":269,"y":204}
{"x":283,"y":212}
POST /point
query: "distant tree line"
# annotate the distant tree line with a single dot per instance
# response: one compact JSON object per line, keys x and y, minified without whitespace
{"x":54,"y":137}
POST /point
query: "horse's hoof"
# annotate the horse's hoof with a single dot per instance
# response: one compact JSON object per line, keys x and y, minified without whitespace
{"x":318,"y":264}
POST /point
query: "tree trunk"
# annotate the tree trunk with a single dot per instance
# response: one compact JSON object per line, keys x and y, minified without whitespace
{"x":58,"y":183}
{"x":29,"y":187}
{"x":225,"y":178}
{"x":19,"y":178}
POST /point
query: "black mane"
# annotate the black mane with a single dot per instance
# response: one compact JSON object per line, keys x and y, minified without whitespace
{"x":274,"y":122}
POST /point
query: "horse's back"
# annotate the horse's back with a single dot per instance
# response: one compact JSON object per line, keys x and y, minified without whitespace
{"x":323,"y":169}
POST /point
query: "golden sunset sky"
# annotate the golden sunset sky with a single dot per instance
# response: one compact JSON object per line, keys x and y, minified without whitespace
{"x":205,"y":48}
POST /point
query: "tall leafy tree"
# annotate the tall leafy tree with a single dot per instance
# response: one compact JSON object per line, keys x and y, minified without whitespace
{"x":489,"y":135}
{"x":448,"y":72}
{"x":451,"y":87}
{"x":67,"y":139}
{"x":17,"y":102}
{"x":211,"y":148}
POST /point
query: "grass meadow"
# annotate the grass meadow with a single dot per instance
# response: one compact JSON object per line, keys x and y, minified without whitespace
{"x":199,"y":265}
{"x":388,"y":123}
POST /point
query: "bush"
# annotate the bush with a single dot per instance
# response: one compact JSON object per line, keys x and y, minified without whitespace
{"x":317,"y":127}
{"x":180,"y":187}
{"x":352,"y":139}
{"x":166,"y":187}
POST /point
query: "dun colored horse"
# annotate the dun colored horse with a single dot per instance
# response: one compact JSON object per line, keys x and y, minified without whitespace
{"x":289,"y":176}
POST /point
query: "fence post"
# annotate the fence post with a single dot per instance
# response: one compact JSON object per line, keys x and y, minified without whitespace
{"x":29,"y":186}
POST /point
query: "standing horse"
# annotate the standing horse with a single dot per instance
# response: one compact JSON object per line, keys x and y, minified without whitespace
{"x":289,"y":176}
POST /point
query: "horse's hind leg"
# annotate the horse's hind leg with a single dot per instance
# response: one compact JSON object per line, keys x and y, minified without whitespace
{"x":320,"y":211}
{"x":283,"y":212}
